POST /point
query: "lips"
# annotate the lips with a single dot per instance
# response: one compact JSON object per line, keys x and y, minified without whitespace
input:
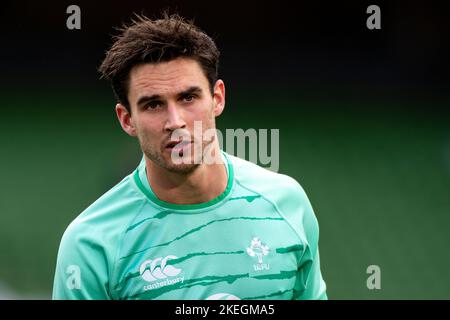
{"x":177,"y":144}
{"x":172,"y":144}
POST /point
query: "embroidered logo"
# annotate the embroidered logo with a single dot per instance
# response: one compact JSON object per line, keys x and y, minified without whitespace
{"x":259,"y":250}
{"x":158,"y":269}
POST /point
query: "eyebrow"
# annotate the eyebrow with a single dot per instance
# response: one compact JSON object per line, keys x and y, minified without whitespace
{"x":190,"y":90}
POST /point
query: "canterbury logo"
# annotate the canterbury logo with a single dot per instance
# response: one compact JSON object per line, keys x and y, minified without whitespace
{"x":155,"y":269}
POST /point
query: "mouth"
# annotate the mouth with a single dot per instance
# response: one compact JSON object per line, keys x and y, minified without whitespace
{"x":178,"y":145}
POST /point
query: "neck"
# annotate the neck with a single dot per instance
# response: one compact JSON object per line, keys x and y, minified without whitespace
{"x":201,"y":185}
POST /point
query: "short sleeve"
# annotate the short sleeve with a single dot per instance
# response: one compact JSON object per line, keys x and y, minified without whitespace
{"x":81,"y":267}
{"x":310,"y":277}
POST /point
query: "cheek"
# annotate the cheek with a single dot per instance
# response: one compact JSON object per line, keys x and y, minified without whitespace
{"x":147,"y":130}
{"x":210,"y":114}
{"x":206,"y":112}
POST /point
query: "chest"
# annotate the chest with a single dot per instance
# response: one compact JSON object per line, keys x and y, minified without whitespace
{"x":236,"y":256}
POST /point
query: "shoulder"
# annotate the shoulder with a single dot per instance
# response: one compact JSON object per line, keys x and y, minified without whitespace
{"x":102,"y":223}
{"x":89,"y":244}
{"x":284,"y":192}
{"x":274,"y":185}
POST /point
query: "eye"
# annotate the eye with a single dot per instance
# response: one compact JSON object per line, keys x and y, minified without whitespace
{"x":189,"y":98}
{"x":153,"y":105}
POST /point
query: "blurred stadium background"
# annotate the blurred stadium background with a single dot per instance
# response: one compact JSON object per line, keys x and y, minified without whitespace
{"x":363,"y":118}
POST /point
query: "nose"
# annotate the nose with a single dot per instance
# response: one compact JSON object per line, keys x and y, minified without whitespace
{"x":174,"y":118}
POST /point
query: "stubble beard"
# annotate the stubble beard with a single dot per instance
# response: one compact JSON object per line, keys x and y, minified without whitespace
{"x":156,"y":154}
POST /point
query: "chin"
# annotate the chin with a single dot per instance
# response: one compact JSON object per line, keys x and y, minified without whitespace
{"x":167,"y":163}
{"x":181,"y":168}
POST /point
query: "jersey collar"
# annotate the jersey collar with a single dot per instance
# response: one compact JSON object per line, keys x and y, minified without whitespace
{"x":140,"y":178}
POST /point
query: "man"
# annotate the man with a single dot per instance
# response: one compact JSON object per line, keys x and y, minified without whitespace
{"x":191,"y":222}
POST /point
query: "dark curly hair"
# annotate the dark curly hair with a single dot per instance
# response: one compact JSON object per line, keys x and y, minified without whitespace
{"x":153,"y":41}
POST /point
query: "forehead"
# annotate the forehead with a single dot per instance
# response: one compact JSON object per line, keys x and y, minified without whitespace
{"x":165,"y":78}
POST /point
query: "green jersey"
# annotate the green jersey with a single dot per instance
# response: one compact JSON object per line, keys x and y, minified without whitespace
{"x":257,"y":240}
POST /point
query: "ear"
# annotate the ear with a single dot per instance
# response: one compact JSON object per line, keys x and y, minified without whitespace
{"x":125,"y":120}
{"x":219,"y":97}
